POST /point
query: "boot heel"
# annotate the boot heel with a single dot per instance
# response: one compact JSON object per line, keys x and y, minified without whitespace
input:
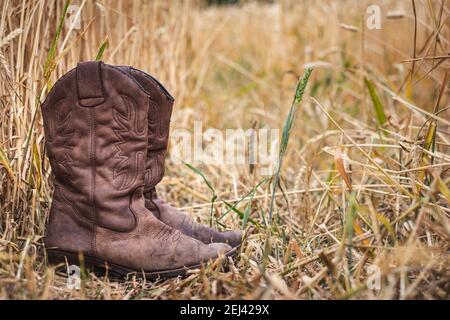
{"x":57,"y":257}
{"x":65,"y":260}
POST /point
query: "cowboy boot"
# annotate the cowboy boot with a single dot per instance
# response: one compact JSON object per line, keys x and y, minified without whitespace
{"x":95,"y":122}
{"x":160,"y":111}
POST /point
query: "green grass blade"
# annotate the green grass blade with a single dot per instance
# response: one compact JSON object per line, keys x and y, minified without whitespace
{"x":377,"y":105}
{"x":247,"y":211}
{"x":240,"y":213}
{"x":301,"y":86}
{"x":101,"y":50}
{"x":214,"y":195}
{"x":49,"y":65}
{"x":197,"y":171}
{"x":250,"y":193}
{"x":428,"y":144}
{"x":349,"y":229}
{"x":4,"y":161}
{"x":430,"y":137}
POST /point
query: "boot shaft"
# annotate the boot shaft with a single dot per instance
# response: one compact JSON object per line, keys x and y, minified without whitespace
{"x":160,"y":111}
{"x":96,"y":122}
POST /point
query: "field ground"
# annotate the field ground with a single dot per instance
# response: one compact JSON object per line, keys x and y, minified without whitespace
{"x":362,"y":207}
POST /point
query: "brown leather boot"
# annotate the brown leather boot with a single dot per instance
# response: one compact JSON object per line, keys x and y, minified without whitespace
{"x":160,"y":111}
{"x":95,"y":121}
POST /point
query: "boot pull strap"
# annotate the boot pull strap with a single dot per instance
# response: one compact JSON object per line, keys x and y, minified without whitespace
{"x":89,"y":83}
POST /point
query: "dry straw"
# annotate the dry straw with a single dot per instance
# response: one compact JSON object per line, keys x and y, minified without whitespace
{"x":364,"y":181}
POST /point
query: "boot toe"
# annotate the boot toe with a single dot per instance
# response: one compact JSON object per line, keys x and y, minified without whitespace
{"x":215,"y":249}
{"x":232,"y":237}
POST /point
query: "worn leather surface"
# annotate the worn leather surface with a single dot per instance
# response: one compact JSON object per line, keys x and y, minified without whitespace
{"x":160,"y":111}
{"x":96,"y":121}
{"x":188,"y":225}
{"x":156,"y":246}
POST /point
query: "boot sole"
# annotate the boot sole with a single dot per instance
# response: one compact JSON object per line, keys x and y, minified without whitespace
{"x":57,"y":257}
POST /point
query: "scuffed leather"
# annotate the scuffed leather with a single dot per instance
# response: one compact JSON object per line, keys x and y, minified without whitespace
{"x":183,"y":222}
{"x":153,"y":245}
{"x":66,"y":227}
{"x":160,"y":111}
{"x":97,"y":142}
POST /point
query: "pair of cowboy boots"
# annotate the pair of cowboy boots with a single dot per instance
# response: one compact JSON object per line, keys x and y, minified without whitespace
{"x":106,"y":130}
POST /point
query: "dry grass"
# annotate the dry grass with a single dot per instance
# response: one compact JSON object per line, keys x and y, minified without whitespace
{"x":362,"y":185}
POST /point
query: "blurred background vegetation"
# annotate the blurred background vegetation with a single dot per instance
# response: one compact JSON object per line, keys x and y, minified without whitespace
{"x":365,"y":180}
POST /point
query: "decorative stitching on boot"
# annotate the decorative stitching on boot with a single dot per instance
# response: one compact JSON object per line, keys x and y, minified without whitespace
{"x":167,"y":233}
{"x":59,"y":127}
{"x":127,"y":123}
{"x":188,"y":222}
{"x":154,"y":170}
{"x":65,"y":131}
{"x":156,"y":129}
{"x":49,"y":125}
